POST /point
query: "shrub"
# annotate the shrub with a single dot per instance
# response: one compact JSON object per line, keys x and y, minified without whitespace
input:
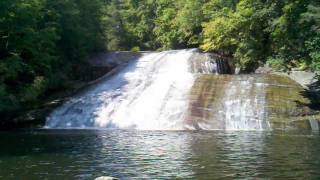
{"x":135,"y":49}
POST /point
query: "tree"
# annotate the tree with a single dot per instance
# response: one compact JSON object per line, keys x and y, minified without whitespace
{"x":239,"y":32}
{"x":166,"y":31}
{"x":288,"y":36}
{"x":312,"y":17}
{"x":42,"y":46}
{"x":189,"y":21}
{"x":139,"y":23}
{"x":27,"y":52}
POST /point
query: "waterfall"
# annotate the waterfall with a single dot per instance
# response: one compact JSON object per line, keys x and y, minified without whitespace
{"x":182,"y":89}
{"x":151,"y":93}
{"x":228,"y":102}
{"x":244,"y":104}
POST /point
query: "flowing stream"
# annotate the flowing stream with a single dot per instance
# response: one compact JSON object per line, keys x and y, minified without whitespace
{"x":151,"y":93}
{"x":97,"y":132}
{"x":179,"y":90}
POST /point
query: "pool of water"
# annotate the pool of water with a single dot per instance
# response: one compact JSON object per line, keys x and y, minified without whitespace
{"x":87,"y":154}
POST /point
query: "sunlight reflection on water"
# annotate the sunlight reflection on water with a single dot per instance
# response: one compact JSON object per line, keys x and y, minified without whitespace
{"x":158,"y":154}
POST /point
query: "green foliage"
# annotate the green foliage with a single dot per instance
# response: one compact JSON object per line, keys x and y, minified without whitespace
{"x":26,"y":51}
{"x":138,"y":18}
{"x":178,"y":24}
{"x":42,"y":41}
{"x":114,"y":27}
{"x":239,"y":32}
{"x":312,"y":16}
{"x":289,"y":36}
{"x":44,"y":44}
{"x":188,"y":21}
{"x":166,"y":31}
{"x":313,"y":46}
{"x":276,"y":63}
{"x":129,"y":23}
{"x":135,"y":49}
{"x":255,"y":31}
{"x":218,"y":34}
{"x":33,"y":90}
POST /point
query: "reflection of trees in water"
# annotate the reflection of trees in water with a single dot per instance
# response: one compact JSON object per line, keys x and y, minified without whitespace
{"x":163,"y":155}
{"x":47,"y":154}
{"x":254,"y":154}
{"x":227,"y":154}
{"x":293,"y":156}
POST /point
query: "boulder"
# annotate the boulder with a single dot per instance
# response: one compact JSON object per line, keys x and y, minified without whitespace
{"x":304,"y":78}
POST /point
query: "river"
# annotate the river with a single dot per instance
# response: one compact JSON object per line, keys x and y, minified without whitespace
{"x":129,"y":154}
{"x":172,"y":115}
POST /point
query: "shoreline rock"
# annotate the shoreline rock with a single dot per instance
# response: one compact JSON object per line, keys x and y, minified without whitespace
{"x":305,"y":78}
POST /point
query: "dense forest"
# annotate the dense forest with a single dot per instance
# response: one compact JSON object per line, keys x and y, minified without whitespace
{"x":44,"y":44}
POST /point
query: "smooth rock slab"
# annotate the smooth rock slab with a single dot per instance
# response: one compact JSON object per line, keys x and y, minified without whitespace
{"x":250,"y":102}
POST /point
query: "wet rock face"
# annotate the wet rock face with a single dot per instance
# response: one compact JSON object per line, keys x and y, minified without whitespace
{"x":249,"y":102}
{"x":205,"y":101}
{"x":203,"y":63}
{"x":208,"y":63}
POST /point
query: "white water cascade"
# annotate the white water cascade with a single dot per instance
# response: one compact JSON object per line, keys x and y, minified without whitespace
{"x":150,"y":93}
{"x":178,"y":90}
{"x":245,"y":103}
